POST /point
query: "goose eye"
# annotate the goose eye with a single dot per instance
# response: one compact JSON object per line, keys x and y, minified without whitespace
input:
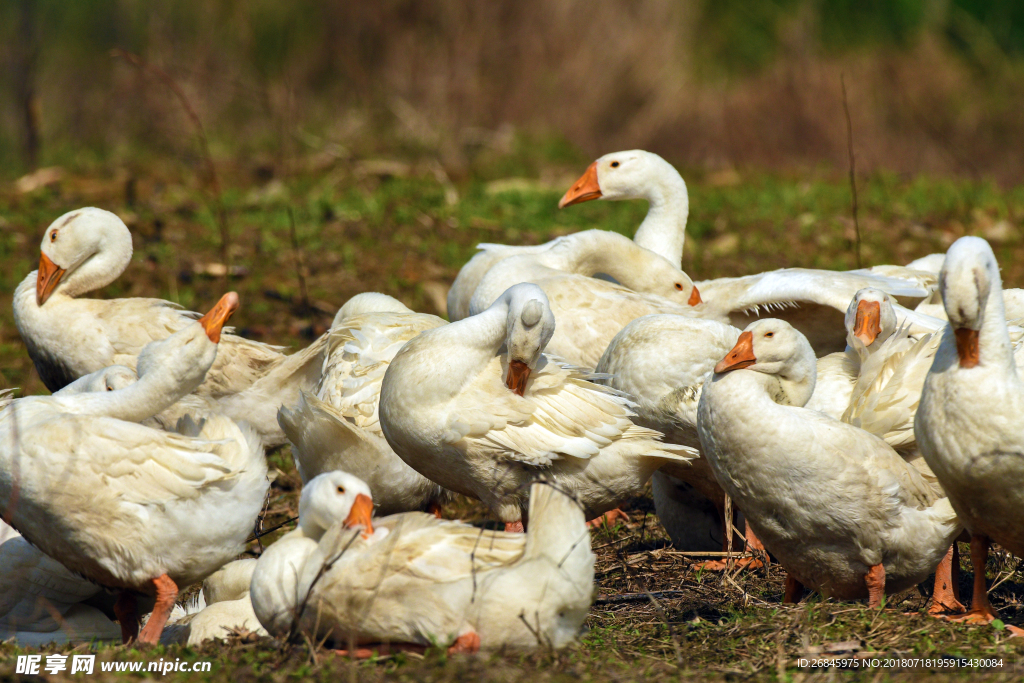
{"x":53,"y":236}
{"x":615,"y":164}
{"x":679,"y":286}
{"x":341,"y":489}
{"x":770,"y":335}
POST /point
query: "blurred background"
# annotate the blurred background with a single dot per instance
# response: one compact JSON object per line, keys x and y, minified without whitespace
{"x":301,"y":152}
{"x":934,"y":86}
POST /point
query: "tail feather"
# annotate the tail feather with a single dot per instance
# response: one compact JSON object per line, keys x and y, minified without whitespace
{"x":558,"y":531}
{"x":319,"y":435}
{"x":281,"y":386}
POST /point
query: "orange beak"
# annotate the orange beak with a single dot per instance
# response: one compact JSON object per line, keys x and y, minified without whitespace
{"x":213,"y":321}
{"x":518,"y":373}
{"x":868,"y":324}
{"x":967,"y":346}
{"x":361,"y":514}
{"x":741,"y":356}
{"x":584,"y":189}
{"x":47,"y":278}
{"x":695,"y":297}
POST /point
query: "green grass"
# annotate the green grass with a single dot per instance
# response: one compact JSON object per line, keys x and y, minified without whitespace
{"x":361,"y":231}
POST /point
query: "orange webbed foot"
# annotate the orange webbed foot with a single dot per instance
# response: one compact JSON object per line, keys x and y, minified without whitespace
{"x":608,"y":518}
{"x":467,"y":644}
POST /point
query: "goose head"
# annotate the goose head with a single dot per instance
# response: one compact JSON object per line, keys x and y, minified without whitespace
{"x":332,"y":497}
{"x":968,"y":279}
{"x":181,"y":361}
{"x":528,"y":329}
{"x":81,"y":251}
{"x":633,"y":174}
{"x":651,"y":273}
{"x":869,"y":318}
{"x":111,"y":378}
{"x":780,"y":354}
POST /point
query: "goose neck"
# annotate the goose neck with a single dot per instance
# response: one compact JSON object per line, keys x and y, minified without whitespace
{"x":663,"y":230}
{"x":994,"y":346}
{"x":153,"y":393}
{"x":600,"y":252}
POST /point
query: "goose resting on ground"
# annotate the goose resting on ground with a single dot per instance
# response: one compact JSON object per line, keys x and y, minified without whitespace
{"x":411,"y":580}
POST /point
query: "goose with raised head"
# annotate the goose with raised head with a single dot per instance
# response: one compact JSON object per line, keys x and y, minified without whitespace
{"x":338,"y":428}
{"x":970,"y":424}
{"x":637,"y":174}
{"x":478,"y":407}
{"x":590,"y":311}
{"x":813,"y":300}
{"x":893,"y":363}
{"x":69,"y":336}
{"x":409,"y":581}
{"x":137,"y":519}
{"x":633,"y":174}
{"x":839,"y":508}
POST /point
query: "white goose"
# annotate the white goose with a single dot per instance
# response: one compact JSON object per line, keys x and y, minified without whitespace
{"x":633,"y":174}
{"x":1013,"y":299}
{"x":877,"y":329}
{"x":42,"y":602}
{"x":812,"y":300}
{"x":68,"y":336}
{"x":339,"y":427}
{"x":970,"y":424}
{"x":410,"y":580}
{"x":664,"y":360}
{"x":839,"y":508}
{"x":137,"y":518}
{"x":40,"y":599}
{"x":590,"y":311}
{"x":477,"y":407}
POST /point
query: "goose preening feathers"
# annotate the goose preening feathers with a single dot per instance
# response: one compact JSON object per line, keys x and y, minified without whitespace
{"x":127,"y":506}
{"x":478,"y":407}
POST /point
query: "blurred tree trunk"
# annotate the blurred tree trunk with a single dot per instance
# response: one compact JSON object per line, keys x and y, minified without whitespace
{"x":25,"y":51}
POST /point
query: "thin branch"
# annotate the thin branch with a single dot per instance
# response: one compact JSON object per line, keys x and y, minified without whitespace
{"x":260,"y":534}
{"x":211,"y":171}
{"x":853,"y":171}
{"x":300,"y":266}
